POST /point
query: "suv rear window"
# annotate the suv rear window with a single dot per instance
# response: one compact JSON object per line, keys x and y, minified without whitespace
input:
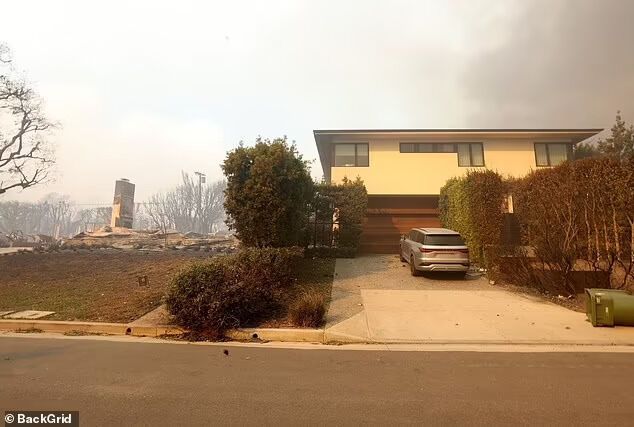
{"x":444,"y":240}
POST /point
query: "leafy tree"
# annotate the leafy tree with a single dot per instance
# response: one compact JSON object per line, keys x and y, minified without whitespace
{"x":585,"y":150}
{"x":25,"y":153}
{"x":621,"y":143}
{"x":268,"y":193}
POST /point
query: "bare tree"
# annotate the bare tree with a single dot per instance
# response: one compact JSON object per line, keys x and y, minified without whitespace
{"x":91,"y":218}
{"x":25,"y":154}
{"x":178,"y":208}
{"x":52,"y":215}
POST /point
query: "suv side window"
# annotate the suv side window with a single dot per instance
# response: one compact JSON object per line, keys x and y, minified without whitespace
{"x":420,"y":237}
{"x":412,"y":235}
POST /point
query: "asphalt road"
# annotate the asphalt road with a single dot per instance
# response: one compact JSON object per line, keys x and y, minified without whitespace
{"x":118,"y":383}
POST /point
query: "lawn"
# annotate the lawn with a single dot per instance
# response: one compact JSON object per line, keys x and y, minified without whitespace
{"x":99,"y":285}
{"x":312,"y":274}
{"x":102,"y":285}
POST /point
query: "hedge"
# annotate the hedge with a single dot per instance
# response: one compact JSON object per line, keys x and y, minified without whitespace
{"x":580,"y":215}
{"x":345,"y":204}
{"x":575,"y":217}
{"x":472,"y":205}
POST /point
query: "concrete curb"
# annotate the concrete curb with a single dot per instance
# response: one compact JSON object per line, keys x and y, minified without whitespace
{"x":277,"y":334}
{"x":288,"y":335}
{"x":62,"y":326}
{"x":245,"y":334}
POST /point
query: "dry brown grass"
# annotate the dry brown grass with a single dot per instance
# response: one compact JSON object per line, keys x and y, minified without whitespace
{"x":309,"y":309}
{"x":100,"y":285}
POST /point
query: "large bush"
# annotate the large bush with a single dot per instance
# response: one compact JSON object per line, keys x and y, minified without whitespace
{"x":345,"y":205}
{"x":230,"y":291}
{"x":268,"y":193}
{"x":472,"y":205}
{"x":579,"y":215}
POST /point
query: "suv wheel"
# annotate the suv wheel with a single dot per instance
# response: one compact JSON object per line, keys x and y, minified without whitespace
{"x":412,"y":267}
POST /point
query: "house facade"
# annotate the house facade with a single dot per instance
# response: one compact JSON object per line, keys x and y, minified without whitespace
{"x":404,"y":169}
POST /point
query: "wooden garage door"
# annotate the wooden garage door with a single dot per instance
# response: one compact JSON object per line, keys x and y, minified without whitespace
{"x":388,"y":217}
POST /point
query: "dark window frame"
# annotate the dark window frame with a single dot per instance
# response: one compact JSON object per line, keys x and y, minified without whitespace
{"x":569,"y":153}
{"x":356,"y":154}
{"x":471,"y":163}
{"x":435,"y":149}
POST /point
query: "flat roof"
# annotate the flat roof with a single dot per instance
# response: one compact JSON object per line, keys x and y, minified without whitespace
{"x":461,"y":130}
{"x":325,"y":137}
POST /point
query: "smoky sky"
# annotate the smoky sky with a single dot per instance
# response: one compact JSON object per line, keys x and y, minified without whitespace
{"x":149,"y":88}
{"x":561,"y":64}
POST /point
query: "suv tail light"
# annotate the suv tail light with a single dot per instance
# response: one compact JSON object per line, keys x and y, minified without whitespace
{"x":427,"y":251}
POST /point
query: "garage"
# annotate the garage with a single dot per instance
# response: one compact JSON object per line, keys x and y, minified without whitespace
{"x":389,"y":216}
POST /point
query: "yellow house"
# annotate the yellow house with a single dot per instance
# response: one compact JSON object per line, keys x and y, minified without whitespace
{"x":404,"y":169}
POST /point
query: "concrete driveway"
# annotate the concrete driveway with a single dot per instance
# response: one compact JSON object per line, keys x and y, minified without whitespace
{"x":375,"y":299}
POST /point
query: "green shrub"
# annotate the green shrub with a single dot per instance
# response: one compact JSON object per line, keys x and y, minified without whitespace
{"x":345,"y":203}
{"x":229,"y":291}
{"x":472,"y":205}
{"x":309,"y":309}
{"x":330,"y":252}
{"x":268,"y":193}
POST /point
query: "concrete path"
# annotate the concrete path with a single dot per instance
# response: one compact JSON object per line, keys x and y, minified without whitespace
{"x":384,"y":303}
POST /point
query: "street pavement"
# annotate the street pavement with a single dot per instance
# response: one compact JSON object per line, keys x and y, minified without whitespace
{"x":124,"y":383}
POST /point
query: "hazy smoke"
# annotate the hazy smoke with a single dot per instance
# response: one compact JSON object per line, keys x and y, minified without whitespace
{"x":562,"y":64}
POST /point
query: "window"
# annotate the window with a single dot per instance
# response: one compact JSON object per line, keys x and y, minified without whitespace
{"x":444,"y":148}
{"x":552,"y":154}
{"x":351,"y":155}
{"x":415,"y":236}
{"x":444,"y":240}
{"x":410,"y":147}
{"x":470,"y":155}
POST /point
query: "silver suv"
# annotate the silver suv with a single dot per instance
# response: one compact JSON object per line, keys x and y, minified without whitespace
{"x":434,"y":249}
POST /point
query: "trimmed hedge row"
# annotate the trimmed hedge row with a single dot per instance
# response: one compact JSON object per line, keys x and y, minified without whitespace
{"x":578,"y":216}
{"x":345,"y":204}
{"x":472,"y":205}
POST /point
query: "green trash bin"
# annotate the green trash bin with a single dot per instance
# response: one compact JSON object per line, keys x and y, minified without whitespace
{"x":609,"y":307}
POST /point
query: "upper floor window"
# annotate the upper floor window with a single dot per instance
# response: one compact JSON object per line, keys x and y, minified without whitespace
{"x":552,"y":154}
{"x":410,"y":147}
{"x":351,"y":154}
{"x":469,"y":154}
